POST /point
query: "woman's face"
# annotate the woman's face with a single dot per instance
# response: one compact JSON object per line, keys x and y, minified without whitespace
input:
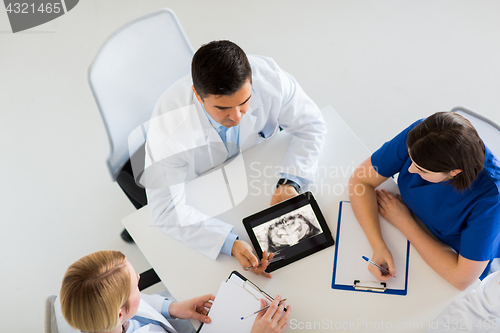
{"x":433,"y":177}
{"x":289,"y":231}
{"x":135,"y":295}
{"x":430,"y":176}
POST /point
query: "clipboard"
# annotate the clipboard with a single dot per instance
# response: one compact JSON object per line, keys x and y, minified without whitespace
{"x":350,"y":270}
{"x":237,"y":297}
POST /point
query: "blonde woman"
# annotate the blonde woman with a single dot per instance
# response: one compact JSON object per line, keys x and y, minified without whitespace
{"x":100,"y":293}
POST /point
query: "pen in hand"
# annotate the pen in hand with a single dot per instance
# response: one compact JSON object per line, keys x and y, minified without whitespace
{"x":264,"y":308}
{"x":269,"y":262}
{"x":374,"y":264}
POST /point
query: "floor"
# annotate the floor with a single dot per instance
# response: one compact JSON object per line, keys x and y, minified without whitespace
{"x":380,"y":64}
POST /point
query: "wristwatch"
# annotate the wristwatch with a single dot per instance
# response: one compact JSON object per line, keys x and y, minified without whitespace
{"x":284,"y":181}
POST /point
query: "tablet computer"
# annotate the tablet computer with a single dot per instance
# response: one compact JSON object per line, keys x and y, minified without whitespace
{"x":292,"y":230}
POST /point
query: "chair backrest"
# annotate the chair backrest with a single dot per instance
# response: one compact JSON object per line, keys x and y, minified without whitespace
{"x":130,"y":72}
{"x":487,"y":130}
{"x":50,"y":315}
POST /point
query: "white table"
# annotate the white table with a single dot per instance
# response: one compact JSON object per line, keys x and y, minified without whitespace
{"x":306,"y":283}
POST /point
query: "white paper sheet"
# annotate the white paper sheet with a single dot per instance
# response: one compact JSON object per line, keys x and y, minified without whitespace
{"x":235,"y":299}
{"x":352,"y":245}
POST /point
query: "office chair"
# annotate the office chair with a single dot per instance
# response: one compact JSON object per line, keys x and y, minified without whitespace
{"x":129,"y":73}
{"x":487,"y":130}
{"x":148,"y":279}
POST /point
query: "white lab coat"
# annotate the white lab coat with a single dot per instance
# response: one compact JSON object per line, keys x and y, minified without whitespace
{"x":149,"y":307}
{"x":477,"y":311}
{"x":182,"y":145}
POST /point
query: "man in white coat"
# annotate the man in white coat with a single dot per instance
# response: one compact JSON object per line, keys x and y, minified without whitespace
{"x":477,"y":311}
{"x":100,"y":293}
{"x":227,"y":105}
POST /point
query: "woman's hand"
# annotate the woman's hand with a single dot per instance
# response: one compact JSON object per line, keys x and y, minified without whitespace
{"x":194,"y":308}
{"x":393,"y":209}
{"x":271,"y":320}
{"x":382,"y":257}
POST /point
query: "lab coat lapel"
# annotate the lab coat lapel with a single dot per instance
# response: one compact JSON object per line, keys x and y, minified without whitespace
{"x":247,"y":122}
{"x":212,"y":138}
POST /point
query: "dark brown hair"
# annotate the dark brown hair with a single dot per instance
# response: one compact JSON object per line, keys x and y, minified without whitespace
{"x":447,"y":141}
{"x":220,"y":68}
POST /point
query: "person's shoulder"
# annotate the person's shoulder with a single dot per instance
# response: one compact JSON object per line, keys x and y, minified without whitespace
{"x":261,"y":61}
{"x":261,"y":65}
{"x":491,"y":172}
{"x":415,"y":123}
{"x":404,"y":134}
{"x":178,"y":95}
{"x":180,"y":89}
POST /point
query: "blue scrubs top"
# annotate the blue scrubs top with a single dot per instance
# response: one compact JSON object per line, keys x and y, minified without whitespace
{"x":468,"y":221}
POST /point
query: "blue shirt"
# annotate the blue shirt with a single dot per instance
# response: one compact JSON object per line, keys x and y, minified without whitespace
{"x":468,"y":221}
{"x":230,"y":136}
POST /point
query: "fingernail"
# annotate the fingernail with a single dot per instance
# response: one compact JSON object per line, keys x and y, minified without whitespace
{"x":207,"y":320}
{"x":278,"y":297}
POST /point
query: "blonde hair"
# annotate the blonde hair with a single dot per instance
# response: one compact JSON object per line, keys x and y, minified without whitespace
{"x":93,"y":291}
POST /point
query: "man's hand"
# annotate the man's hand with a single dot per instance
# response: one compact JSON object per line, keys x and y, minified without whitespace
{"x":243,"y":252}
{"x":194,"y":308}
{"x":269,"y":321}
{"x":282,"y":193}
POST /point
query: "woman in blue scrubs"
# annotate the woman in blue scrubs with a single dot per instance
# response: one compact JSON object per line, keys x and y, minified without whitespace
{"x":448,"y":179}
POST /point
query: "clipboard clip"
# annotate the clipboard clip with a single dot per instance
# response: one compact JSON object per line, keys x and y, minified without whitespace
{"x":262,"y":292}
{"x":381,"y":289}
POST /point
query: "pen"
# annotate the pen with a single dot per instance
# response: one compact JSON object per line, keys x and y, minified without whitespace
{"x":374,"y":264}
{"x":270,"y":262}
{"x":264,"y":308}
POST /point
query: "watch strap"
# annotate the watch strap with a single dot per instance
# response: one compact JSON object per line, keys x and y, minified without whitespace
{"x":284,"y":181}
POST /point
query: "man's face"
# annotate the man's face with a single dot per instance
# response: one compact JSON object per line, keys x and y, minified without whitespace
{"x":227,"y":110}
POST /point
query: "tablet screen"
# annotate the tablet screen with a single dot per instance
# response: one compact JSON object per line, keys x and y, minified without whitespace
{"x":287,"y":230}
{"x":291,"y":229}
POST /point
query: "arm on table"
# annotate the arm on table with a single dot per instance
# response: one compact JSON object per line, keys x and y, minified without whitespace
{"x":282,"y":193}
{"x":302,"y":119}
{"x":362,"y":186}
{"x":194,"y":308}
{"x":175,"y":217}
{"x":454,"y":268}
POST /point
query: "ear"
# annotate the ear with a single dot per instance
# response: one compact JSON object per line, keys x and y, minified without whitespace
{"x":121,"y":314}
{"x":198,"y":97}
{"x":455,"y":172}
